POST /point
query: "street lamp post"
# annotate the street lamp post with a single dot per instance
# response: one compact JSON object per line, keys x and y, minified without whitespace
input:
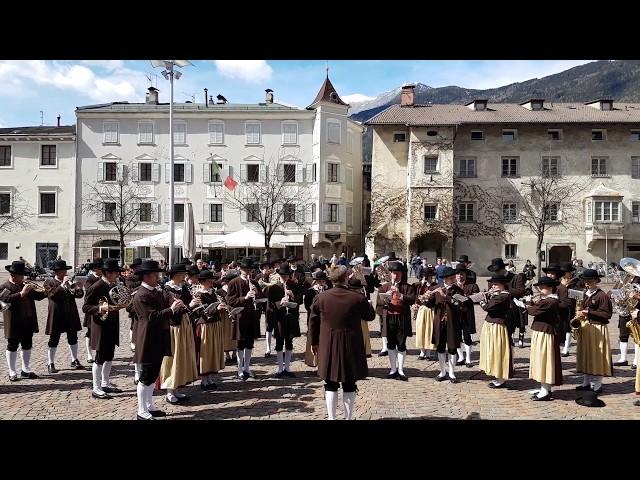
{"x":201,"y":240}
{"x":169,"y":73}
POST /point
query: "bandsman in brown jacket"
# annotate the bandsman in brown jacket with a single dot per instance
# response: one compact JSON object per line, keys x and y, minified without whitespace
{"x":63,"y":315}
{"x":336,"y":338}
{"x":469,"y":318}
{"x":94,"y":275}
{"x":20,"y":321}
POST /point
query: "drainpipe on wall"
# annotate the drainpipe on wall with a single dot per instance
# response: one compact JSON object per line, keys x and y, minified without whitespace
{"x":408,"y":220}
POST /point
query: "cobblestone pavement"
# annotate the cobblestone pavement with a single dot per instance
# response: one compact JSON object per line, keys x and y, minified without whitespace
{"x":67,"y":395}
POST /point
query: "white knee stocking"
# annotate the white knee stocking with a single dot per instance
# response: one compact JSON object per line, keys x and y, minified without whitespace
{"x":452,"y":366}
{"x":401,"y":358}
{"x":349,"y":400}
{"x":267,"y":341}
{"x":240,"y":357}
{"x":287,"y":359}
{"x":247,"y":359}
{"x":460,"y":354}
{"x":331,"y":399}
{"x":11,"y":362}
{"x":87,"y":344}
{"x":467,"y":351}
{"x":442,"y":358}
{"x":73,"y":349}
{"x":624,"y":346}
{"x":106,"y":372}
{"x":97,"y":378}
{"x":280,"y":356}
{"x":143,"y":409}
{"x":51,"y":355}
{"x":26,"y":359}
{"x":393,"y":358}
{"x":567,"y":343}
{"x":136,"y":375}
{"x":384,"y":344}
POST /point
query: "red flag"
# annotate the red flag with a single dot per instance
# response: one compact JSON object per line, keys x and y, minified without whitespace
{"x":230,"y":183}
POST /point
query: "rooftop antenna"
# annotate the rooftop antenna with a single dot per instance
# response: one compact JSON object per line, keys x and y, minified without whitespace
{"x":326,"y":68}
{"x":192,"y":95}
{"x":150,"y":78}
{"x":41,"y":118}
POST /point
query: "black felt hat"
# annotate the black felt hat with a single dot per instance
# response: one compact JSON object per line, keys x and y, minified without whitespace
{"x":17,"y":268}
{"x":111,"y":265}
{"x":395,"y":267}
{"x":60,"y":265}
{"x":590,"y":274}
{"x":177,"y":268}
{"x":285,"y":269}
{"x":447,"y":272}
{"x":546,"y":282}
{"x":148,"y":266}
{"x":319,"y":275}
{"x":552,"y":267}
{"x":247,"y":262}
{"x":496,"y":264}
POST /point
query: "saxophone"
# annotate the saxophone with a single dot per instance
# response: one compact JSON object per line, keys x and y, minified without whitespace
{"x":576,"y":321}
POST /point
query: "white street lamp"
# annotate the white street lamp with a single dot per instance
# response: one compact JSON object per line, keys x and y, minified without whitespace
{"x":170,"y":73}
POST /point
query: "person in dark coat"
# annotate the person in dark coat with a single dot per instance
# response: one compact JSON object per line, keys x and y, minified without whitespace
{"x":465,"y":262}
{"x":448,"y":315}
{"x":469,"y":318}
{"x":63,"y":315}
{"x":152,"y":336}
{"x":396,"y":299}
{"x":20,"y":321}
{"x":132,"y":283}
{"x":517,"y":286}
{"x":105,"y":328}
{"x":241,"y":292}
{"x":336,"y":339}
{"x":282,"y":296}
{"x":555,"y":272}
{"x":571,"y":281}
{"x":94,"y":275}
{"x":377,"y":283}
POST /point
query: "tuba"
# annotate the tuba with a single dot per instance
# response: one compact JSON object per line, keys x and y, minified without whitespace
{"x":382,"y":272}
{"x":623,"y":294}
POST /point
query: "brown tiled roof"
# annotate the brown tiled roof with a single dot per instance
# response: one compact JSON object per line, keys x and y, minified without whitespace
{"x":324,"y":95}
{"x":505,"y":113}
{"x":40,"y":130}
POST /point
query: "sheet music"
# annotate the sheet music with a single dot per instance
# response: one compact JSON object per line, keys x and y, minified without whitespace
{"x":575,"y":294}
{"x":477,"y":297}
{"x":460,"y":298}
{"x":518,"y":303}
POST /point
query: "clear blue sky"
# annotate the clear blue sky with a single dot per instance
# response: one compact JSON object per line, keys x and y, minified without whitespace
{"x":57,"y":87}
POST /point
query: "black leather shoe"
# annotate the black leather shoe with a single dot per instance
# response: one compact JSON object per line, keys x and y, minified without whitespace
{"x":621,"y":364}
{"x":76,"y":365}
{"x":29,"y":375}
{"x":383,"y":354}
{"x":369,"y":356}
{"x":267,"y":355}
{"x":420,"y":357}
{"x":90,"y":360}
{"x":402,"y":377}
{"x":289,"y":374}
{"x":248,"y":375}
{"x":101,"y":396}
{"x":393,"y":375}
{"x":135,"y":382}
{"x":157,"y":413}
{"x":13,"y":378}
{"x":598,"y":391}
{"x":453,"y":380}
{"x":111,"y":389}
{"x":172,"y":402}
{"x":183,"y":398}
{"x":460,"y":363}
{"x":441,"y":379}
{"x":51,"y":368}
{"x":546,"y":398}
{"x":493,"y":385}
{"x":469,"y":365}
{"x":142,"y":418}
{"x":633,"y":367}
{"x":636,"y":403}
{"x":583,"y":388}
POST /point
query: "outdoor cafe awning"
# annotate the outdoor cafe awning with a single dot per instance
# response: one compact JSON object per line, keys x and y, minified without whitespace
{"x":240,"y":239}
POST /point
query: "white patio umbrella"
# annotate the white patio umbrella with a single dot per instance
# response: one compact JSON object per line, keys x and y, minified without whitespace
{"x":189,"y":233}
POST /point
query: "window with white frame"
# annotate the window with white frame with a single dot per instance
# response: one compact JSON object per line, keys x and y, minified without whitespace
{"x":511,"y":250}
{"x":5,"y":155}
{"x":348,"y":178}
{"x":145,"y":171}
{"x":635,"y":212}
{"x":509,"y":212}
{"x":313,"y":213}
{"x":606,"y":211}
{"x":288,"y":212}
{"x":180,"y":133}
{"x":509,"y":136}
{"x":598,"y":135}
{"x":48,"y":202}
{"x":5,"y":203}
{"x":333,"y":131}
{"x":252,"y":133}
{"x":635,"y":135}
{"x":477,"y":135}
{"x":332,"y":213}
{"x":4,"y":251}
{"x":253,"y":213}
{"x":178,"y":172}
{"x":178,"y":212}
{"x":430,"y":164}
{"x":554,"y":134}
{"x":599,"y":167}
{"x":550,"y":166}
{"x":635,"y":167}
{"x":333,"y":172}
{"x":290,"y":133}
{"x":48,"y":156}
{"x":430,"y":212}
{"x":466,"y":212}
{"x":467,"y":167}
{"x":110,"y":132}
{"x":215,"y":172}
{"x":551,"y":212}
{"x":216,"y":133}
{"x":510,"y":166}
{"x":110,"y":171}
{"x":215,"y":212}
{"x":145,"y":212}
{"x":145,"y":132}
{"x":253,"y":173}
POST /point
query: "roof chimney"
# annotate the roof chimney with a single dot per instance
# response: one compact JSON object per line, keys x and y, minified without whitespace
{"x":58,"y":120}
{"x":152,"y":96}
{"x":406,"y":96}
{"x":206,"y":97}
{"x":269,"y":97}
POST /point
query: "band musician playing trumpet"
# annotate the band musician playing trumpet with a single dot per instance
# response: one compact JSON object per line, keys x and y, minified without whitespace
{"x":105,"y":327}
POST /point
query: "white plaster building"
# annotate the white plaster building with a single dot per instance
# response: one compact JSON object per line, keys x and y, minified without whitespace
{"x":131,"y":139}
{"x":37,"y":178}
{"x":487,"y":144}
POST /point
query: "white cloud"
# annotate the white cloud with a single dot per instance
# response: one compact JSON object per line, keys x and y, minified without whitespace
{"x":356,"y":98}
{"x":250,"y":71}
{"x":118,"y":84}
{"x":107,"y":64}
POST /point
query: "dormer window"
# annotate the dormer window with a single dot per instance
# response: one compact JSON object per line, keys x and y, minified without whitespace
{"x":534,"y":104}
{"x":537,"y":105}
{"x":601,"y":104}
{"x":478,"y":105}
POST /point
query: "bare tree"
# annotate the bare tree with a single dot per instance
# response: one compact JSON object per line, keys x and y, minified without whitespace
{"x":273,"y":195}
{"x":15,"y":215}
{"x":117,"y":203}
{"x":547,"y":200}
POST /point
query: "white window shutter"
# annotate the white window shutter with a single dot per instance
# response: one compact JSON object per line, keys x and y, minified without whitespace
{"x":263,"y":173}
{"x":280,"y":173}
{"x":101,"y":171}
{"x":308,"y":214}
{"x":135,"y":210}
{"x":349,"y":217}
{"x":279,"y":213}
{"x":135,"y":172}
{"x":167,"y":172}
{"x":155,"y":212}
{"x":120,"y":172}
{"x":155,"y":172}
{"x":100,"y":213}
{"x":589,"y":211}
{"x":206,"y":171}
{"x":341,"y":213}
{"x":188,"y":172}
{"x":299,"y":173}
{"x":325,"y":212}
{"x":243,"y":172}
{"x":309,"y":172}
{"x":339,"y":173}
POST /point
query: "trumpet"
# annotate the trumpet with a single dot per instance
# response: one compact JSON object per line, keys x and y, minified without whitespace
{"x":38,"y":288}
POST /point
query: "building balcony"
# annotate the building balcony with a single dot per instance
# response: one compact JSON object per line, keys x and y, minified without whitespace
{"x":603,"y":231}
